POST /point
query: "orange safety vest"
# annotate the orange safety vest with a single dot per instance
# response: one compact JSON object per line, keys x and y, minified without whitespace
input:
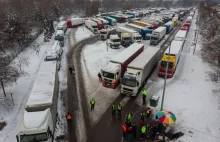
{"x":68,"y":116}
{"x":149,"y":110}
{"x":124,"y":128}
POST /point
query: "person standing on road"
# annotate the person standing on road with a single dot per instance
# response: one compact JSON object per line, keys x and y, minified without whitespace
{"x":113,"y":109}
{"x":70,"y":69}
{"x":68,"y":117}
{"x":124,"y":129}
{"x":144,"y":94}
{"x":134,"y":129}
{"x":143,"y":131}
{"x":100,"y":77}
{"x":119,"y":110}
{"x":129,"y":133}
{"x":92,"y":102}
{"x":148,"y":112}
{"x":128,"y":117}
{"x":142,"y":116}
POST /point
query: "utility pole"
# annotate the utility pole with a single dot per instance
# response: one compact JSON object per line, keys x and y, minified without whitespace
{"x":165,"y":80}
{"x":3,"y":86}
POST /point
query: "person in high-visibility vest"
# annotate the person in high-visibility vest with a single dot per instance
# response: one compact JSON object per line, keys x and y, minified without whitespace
{"x":113,"y":109}
{"x":148,"y":112}
{"x":68,"y":117}
{"x":119,"y":110}
{"x":128,"y":117}
{"x":144,"y":94}
{"x":124,"y":129}
{"x":143,"y":131}
{"x":92,"y":102}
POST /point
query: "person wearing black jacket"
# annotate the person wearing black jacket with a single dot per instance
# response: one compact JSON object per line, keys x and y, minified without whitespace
{"x":134,"y":129}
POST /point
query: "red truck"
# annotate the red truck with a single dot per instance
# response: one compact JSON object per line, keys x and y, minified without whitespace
{"x":99,"y":23}
{"x":113,"y":72}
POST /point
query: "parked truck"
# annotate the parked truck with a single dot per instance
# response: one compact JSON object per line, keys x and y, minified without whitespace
{"x":139,"y":70}
{"x":169,"y":25}
{"x":174,"y":55}
{"x":105,"y":33}
{"x":189,"y":19}
{"x":55,"y":52}
{"x":114,"y":41}
{"x":112,"y":21}
{"x":40,"y":112}
{"x":91,"y":25}
{"x":104,"y":22}
{"x":99,"y":23}
{"x":62,"y":26}
{"x":120,"y":19}
{"x":75,"y":22}
{"x":157,"y":35}
{"x":142,"y":31}
{"x":142,"y":24}
{"x":180,"y":35}
{"x":112,"y":73}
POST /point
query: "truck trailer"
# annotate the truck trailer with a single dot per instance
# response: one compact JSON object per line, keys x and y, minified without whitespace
{"x":40,"y":112}
{"x":91,"y":25}
{"x":75,"y":22}
{"x":157,"y":35}
{"x":139,"y":70}
{"x":142,"y":31}
{"x":104,"y":22}
{"x":175,"y":52}
{"x":112,"y":73}
{"x":169,"y":25}
{"x":112,"y":21}
{"x":105,"y":33}
{"x":99,"y":23}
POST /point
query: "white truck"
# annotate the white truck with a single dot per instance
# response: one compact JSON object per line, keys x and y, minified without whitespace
{"x":180,"y":35}
{"x":62,"y":26}
{"x":113,"y":72}
{"x":104,"y":22}
{"x":114,"y":41}
{"x":92,"y":26}
{"x":55,"y":52}
{"x":189,"y":19}
{"x":169,"y":25}
{"x":105,"y":33}
{"x":157,"y":35}
{"x":135,"y":36}
{"x":139,"y":70}
{"x":40,"y":112}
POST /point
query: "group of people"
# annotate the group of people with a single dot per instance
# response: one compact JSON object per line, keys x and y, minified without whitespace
{"x":118,"y":108}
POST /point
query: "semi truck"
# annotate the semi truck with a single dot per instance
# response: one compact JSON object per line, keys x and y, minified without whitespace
{"x":157,"y":35}
{"x":180,"y":35}
{"x":104,"y":22}
{"x":120,"y":19}
{"x":144,"y":32}
{"x":133,"y":14}
{"x":91,"y":25}
{"x":105,"y":33}
{"x":40,"y":112}
{"x":112,"y":21}
{"x":75,"y":22}
{"x":135,"y":36}
{"x":189,"y":19}
{"x":169,"y":25}
{"x":142,"y":24}
{"x":99,"y":23}
{"x":153,"y":24}
{"x":112,"y":73}
{"x":114,"y":41}
{"x":62,"y":26}
{"x":139,"y":70}
{"x":174,"y":55}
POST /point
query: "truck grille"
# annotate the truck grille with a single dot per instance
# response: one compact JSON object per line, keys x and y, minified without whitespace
{"x":126,"y":89}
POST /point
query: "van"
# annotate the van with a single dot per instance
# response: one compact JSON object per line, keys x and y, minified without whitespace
{"x":55,"y":52}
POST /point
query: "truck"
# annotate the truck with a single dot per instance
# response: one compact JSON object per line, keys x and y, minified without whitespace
{"x":157,"y":35}
{"x":75,"y":22}
{"x":137,"y":72}
{"x":114,"y":41}
{"x":120,"y":19}
{"x":105,"y":33}
{"x":99,"y":23}
{"x":111,"y":74}
{"x":152,"y":24}
{"x":142,"y":24}
{"x":91,"y":25}
{"x":174,"y":54}
{"x":180,"y":35}
{"x":40,"y":112}
{"x":59,"y":35}
{"x":142,"y":31}
{"x":169,"y":25}
{"x":104,"y":22}
{"x":135,"y":36}
{"x":133,"y":13}
{"x":189,"y":19}
{"x":111,"y":21}
{"x":55,"y":52}
{"x":62,"y":26}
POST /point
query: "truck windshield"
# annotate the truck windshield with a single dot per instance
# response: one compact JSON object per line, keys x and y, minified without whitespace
{"x":94,"y":26}
{"x":108,"y":75}
{"x":138,"y":38}
{"x":102,"y":32}
{"x":115,"y":40}
{"x":163,"y":64}
{"x":34,"y":137}
{"x":126,"y":38}
{"x":129,"y":81}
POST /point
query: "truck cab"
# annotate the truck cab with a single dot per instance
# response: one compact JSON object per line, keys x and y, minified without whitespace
{"x":171,"y":66}
{"x":111,"y":75}
{"x":136,"y":38}
{"x":114,"y":41}
{"x":126,"y":39}
{"x":37,"y":126}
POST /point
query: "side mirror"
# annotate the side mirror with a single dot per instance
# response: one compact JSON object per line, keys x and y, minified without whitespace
{"x":17,"y":137}
{"x":50,"y":134}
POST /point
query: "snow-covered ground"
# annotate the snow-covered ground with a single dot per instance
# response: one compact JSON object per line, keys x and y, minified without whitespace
{"x":13,"y":115}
